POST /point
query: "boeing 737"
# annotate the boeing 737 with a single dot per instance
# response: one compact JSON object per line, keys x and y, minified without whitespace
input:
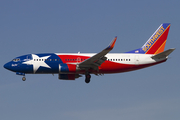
{"x":71,"y":66}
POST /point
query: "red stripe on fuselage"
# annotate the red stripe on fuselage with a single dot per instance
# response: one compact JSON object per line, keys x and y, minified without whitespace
{"x":107,"y":67}
{"x":113,"y":67}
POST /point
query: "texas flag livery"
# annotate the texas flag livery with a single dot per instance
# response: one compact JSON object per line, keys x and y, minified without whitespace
{"x":70,"y":66}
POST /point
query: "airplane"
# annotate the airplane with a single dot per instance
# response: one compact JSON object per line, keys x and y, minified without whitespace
{"x":70,"y":66}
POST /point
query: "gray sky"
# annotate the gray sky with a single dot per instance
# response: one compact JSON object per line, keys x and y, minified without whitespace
{"x":41,"y":26}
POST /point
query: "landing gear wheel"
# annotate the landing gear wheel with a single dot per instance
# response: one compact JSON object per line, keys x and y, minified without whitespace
{"x":24,"y":78}
{"x":88,"y":77}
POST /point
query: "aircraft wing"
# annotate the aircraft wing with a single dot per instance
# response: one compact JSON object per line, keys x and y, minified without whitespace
{"x":96,"y":60}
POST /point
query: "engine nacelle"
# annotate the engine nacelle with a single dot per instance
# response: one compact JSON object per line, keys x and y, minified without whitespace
{"x":69,"y":76}
{"x":67,"y":68}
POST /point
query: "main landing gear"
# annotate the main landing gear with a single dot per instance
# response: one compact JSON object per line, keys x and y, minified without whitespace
{"x":88,"y":77}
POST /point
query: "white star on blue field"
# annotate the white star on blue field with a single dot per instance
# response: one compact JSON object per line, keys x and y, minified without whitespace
{"x":32,"y":27}
{"x":36,"y":64}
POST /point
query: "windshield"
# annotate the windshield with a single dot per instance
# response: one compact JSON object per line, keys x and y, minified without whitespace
{"x":16,"y":60}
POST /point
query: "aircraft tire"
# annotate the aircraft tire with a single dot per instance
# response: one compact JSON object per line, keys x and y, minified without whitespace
{"x":88,"y":78}
{"x":24,"y":78}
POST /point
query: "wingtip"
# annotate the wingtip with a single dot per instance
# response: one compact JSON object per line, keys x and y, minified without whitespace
{"x":111,"y":45}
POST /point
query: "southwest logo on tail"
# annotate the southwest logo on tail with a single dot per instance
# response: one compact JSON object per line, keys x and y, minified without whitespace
{"x":71,"y":66}
{"x":156,"y":43}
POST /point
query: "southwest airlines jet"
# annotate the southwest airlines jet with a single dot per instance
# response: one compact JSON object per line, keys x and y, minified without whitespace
{"x":71,"y":66}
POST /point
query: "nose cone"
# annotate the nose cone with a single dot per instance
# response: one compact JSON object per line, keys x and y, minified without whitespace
{"x":7,"y":66}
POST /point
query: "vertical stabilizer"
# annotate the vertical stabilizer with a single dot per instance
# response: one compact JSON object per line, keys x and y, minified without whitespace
{"x":156,"y":43}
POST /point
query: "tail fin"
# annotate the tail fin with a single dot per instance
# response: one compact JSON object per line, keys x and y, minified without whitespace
{"x":156,"y":43}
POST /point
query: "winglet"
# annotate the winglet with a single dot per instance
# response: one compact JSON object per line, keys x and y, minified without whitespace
{"x":111,"y":45}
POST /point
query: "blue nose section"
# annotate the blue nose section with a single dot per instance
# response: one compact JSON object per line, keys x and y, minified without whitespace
{"x":7,"y":66}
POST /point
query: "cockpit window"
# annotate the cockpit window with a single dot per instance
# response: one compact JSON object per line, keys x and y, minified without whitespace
{"x":16,"y":60}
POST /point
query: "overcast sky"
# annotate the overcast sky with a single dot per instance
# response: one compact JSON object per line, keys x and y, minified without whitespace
{"x":88,"y":26}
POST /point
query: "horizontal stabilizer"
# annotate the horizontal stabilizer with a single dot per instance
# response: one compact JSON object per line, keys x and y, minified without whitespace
{"x":163,"y":54}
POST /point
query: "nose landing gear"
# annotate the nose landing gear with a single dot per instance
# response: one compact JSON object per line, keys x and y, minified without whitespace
{"x":23,"y":74}
{"x":24,"y":78}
